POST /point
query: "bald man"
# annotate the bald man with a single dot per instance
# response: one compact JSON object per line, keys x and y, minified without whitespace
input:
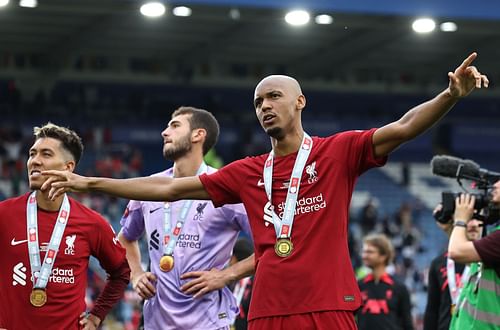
{"x":304,"y":277}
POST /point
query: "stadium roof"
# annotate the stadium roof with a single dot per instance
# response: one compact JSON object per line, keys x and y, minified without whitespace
{"x":361,"y":44}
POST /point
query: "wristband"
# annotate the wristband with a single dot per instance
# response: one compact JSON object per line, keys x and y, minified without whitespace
{"x":460,"y":223}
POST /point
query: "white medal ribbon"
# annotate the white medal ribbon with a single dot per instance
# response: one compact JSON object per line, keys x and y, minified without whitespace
{"x":283,"y":227}
{"x":41,"y":271}
{"x":170,"y":236}
{"x":452,"y":283}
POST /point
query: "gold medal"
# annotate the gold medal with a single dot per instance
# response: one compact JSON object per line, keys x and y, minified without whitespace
{"x":166,"y":263}
{"x":452,"y":309}
{"x":283,"y":247}
{"x":38,"y":297}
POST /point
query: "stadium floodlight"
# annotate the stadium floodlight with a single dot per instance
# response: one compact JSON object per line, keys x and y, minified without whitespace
{"x":323,"y":19}
{"x":234,"y":14}
{"x":448,"y":27}
{"x":153,"y":9}
{"x":424,"y":25}
{"x":182,"y":11}
{"x":28,"y":3}
{"x":4,"y":3}
{"x":297,"y":17}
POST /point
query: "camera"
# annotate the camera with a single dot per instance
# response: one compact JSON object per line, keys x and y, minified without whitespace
{"x":448,"y":198}
{"x":458,"y":168}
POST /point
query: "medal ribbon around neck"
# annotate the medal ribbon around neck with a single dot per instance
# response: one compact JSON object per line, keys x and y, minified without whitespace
{"x":170,"y":236}
{"x":283,"y":226}
{"x":452,"y":283}
{"x":41,"y":271}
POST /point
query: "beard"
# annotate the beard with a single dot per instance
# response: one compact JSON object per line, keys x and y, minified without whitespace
{"x":275,"y":132}
{"x":178,"y":149}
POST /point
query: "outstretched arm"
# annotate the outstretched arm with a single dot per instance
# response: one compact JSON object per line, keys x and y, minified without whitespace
{"x":151,"y":188}
{"x":416,"y":121}
{"x":206,"y":281}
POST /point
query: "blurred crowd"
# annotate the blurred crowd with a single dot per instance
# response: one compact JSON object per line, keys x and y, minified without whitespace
{"x":121,"y":161}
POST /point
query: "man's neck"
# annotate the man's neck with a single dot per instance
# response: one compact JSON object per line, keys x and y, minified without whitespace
{"x":288,"y":144}
{"x":377,"y":272}
{"x":187,"y":165}
{"x":45,"y":203}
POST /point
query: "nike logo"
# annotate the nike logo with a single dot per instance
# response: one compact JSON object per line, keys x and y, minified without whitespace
{"x":14,"y":242}
{"x":260,"y":183}
{"x":154,"y":210}
{"x":115,"y":240}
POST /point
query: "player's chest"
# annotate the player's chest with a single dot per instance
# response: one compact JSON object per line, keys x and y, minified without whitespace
{"x":72,"y":243}
{"x":192,"y":216}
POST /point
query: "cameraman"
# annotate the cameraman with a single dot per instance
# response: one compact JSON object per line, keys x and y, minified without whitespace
{"x":478,"y":306}
{"x":445,"y":277}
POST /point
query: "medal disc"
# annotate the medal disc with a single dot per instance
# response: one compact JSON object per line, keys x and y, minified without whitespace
{"x":452,"y":309}
{"x":166,"y":263}
{"x":38,"y":297}
{"x":283,"y":247}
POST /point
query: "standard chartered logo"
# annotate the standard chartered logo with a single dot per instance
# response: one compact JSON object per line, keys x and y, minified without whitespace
{"x":64,"y":276}
{"x":305,"y":205}
{"x":189,"y":241}
{"x":268,"y":214}
{"x":19,"y":275}
{"x":58,"y":275}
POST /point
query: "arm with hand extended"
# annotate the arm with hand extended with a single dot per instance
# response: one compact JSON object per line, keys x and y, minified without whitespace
{"x":422,"y":117}
{"x":143,"y":188}
{"x":206,"y":281}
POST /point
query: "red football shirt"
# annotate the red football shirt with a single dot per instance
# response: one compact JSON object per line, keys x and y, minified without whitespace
{"x":318,"y":275}
{"x":86,"y":234}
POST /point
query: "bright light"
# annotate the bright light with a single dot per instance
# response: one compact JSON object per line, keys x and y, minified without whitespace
{"x":424,"y":25}
{"x":235,"y":14}
{"x":153,"y":9}
{"x":448,"y":27}
{"x":323,"y":19}
{"x":28,"y":3}
{"x":4,"y":3}
{"x":182,"y":11}
{"x":297,"y":17}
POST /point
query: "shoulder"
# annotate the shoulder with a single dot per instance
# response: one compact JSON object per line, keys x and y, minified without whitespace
{"x":399,"y":284}
{"x":438,"y":260}
{"x":246,"y":164}
{"x":81,"y":211}
{"x":347,"y":135}
{"x":167,"y":172}
{"x":14,"y":202}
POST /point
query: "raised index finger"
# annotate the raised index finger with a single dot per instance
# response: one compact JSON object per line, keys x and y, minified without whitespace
{"x":468,"y":61}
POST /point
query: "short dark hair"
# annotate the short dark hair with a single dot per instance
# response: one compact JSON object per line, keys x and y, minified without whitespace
{"x":70,"y":141}
{"x":201,"y":118}
{"x":383,"y":245}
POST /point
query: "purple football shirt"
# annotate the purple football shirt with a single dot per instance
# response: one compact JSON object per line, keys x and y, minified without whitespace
{"x":206,"y":241}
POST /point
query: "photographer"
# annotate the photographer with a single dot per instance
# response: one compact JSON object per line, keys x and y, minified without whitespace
{"x":478,"y":306}
{"x":446,"y":277}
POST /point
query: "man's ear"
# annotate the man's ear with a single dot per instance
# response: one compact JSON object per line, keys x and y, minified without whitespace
{"x":70,"y":165}
{"x":301,"y":102}
{"x":198,"y":135}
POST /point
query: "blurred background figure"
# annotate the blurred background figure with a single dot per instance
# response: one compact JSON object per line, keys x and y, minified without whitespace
{"x":386,"y":301}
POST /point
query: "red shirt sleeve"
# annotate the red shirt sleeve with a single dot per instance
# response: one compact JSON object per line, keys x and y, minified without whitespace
{"x":111,"y":256}
{"x":113,"y":291}
{"x":224,"y":185}
{"x":488,"y":249}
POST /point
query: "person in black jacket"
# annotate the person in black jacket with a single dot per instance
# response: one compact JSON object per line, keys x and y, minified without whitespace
{"x":386,"y":301}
